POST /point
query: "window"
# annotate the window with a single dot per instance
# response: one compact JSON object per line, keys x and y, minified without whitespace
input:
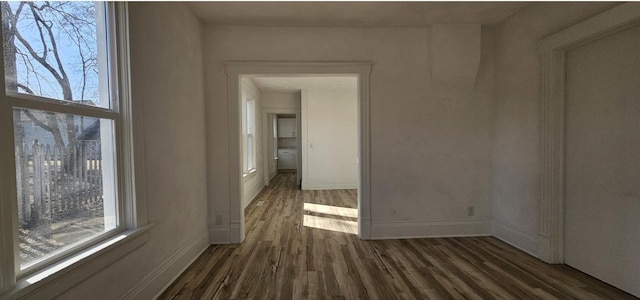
{"x":249,"y":136}
{"x":274,"y":121}
{"x":64,"y":116}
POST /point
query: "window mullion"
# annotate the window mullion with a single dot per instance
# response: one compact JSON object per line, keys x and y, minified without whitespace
{"x":61,"y":107}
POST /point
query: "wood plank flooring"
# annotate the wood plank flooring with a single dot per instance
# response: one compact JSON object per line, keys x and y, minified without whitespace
{"x":298,"y":251}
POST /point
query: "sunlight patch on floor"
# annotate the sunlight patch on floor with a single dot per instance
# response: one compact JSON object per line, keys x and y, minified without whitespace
{"x":331,"y":210}
{"x":350,"y":227}
{"x":329,"y":223}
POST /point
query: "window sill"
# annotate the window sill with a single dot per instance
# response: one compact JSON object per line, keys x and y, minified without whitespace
{"x":56,"y":279}
{"x":251,"y":174}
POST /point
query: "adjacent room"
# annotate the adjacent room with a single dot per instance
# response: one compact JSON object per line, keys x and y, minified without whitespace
{"x":320,"y":150}
{"x":308,"y":128}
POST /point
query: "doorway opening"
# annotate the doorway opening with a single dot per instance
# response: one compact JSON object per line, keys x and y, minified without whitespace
{"x":317,"y":164}
{"x":285,"y":150}
{"x":319,"y":143}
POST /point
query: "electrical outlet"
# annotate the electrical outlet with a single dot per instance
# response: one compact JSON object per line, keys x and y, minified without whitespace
{"x":470,"y":211}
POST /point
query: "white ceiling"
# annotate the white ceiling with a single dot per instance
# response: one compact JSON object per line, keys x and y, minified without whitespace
{"x":367,"y":14}
{"x":297,"y":83}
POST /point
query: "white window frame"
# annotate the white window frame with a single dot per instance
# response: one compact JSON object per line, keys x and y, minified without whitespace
{"x":55,"y":275}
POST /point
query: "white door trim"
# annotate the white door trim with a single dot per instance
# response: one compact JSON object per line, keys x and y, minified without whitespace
{"x":235,"y":69}
{"x":553,"y":50}
{"x":267,"y":135}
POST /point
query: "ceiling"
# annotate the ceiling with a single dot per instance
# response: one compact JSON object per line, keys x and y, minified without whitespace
{"x":297,"y":83}
{"x":359,"y":14}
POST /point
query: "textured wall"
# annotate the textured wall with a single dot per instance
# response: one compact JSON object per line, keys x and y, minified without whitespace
{"x":430,"y":147}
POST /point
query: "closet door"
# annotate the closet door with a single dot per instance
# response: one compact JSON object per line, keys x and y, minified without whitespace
{"x":602,"y":209}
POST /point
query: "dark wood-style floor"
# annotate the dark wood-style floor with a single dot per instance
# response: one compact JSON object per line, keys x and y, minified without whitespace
{"x":298,"y":251}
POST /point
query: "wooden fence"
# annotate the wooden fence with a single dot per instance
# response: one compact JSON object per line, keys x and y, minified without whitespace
{"x":55,"y":182}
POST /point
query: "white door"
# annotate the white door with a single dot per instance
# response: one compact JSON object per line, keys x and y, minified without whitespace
{"x":602,"y":210}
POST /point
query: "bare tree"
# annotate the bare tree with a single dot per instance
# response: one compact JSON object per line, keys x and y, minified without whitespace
{"x":31,"y":35}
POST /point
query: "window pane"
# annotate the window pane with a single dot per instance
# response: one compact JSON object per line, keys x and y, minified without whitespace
{"x":250,"y":162}
{"x":65,"y":168}
{"x":57,"y":50}
{"x":250,"y":117}
{"x":274,"y":124}
{"x":246,"y":116}
{"x":275,"y":136}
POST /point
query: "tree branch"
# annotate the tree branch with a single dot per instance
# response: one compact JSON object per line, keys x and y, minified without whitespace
{"x":60,"y":77}
{"x":35,"y":55}
{"x":64,"y":80}
{"x":26,"y":89}
{"x":37,"y":122}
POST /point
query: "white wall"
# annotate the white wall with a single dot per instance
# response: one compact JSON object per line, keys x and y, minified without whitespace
{"x":430,"y":147}
{"x":516,"y":130}
{"x":254,"y":182}
{"x":330,"y":138}
{"x":602,"y":206}
{"x":276,"y":100}
{"x":166,"y":61}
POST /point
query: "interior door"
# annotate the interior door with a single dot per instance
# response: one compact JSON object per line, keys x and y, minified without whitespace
{"x":602,"y":209}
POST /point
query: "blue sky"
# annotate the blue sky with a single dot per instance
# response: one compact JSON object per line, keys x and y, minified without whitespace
{"x":68,"y":50}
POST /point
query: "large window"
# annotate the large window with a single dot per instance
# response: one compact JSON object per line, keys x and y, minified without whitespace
{"x":62,"y":132}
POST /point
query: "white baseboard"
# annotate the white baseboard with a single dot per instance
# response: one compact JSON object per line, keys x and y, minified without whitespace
{"x":328,"y":186}
{"x":227,"y":234}
{"x":154,"y":283}
{"x":430,"y":229}
{"x":219,"y":234}
{"x":516,"y":237}
{"x":544,"y":253}
{"x":236,"y":233}
{"x":364,"y":229}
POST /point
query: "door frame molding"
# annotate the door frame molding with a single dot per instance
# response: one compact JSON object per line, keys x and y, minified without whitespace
{"x":553,"y":51}
{"x":266,"y":135}
{"x":236,"y":69}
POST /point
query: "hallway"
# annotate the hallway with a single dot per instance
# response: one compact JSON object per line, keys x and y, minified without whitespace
{"x":303,"y":245}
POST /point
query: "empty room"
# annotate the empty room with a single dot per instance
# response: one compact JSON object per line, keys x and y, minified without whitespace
{"x":320,"y":150}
